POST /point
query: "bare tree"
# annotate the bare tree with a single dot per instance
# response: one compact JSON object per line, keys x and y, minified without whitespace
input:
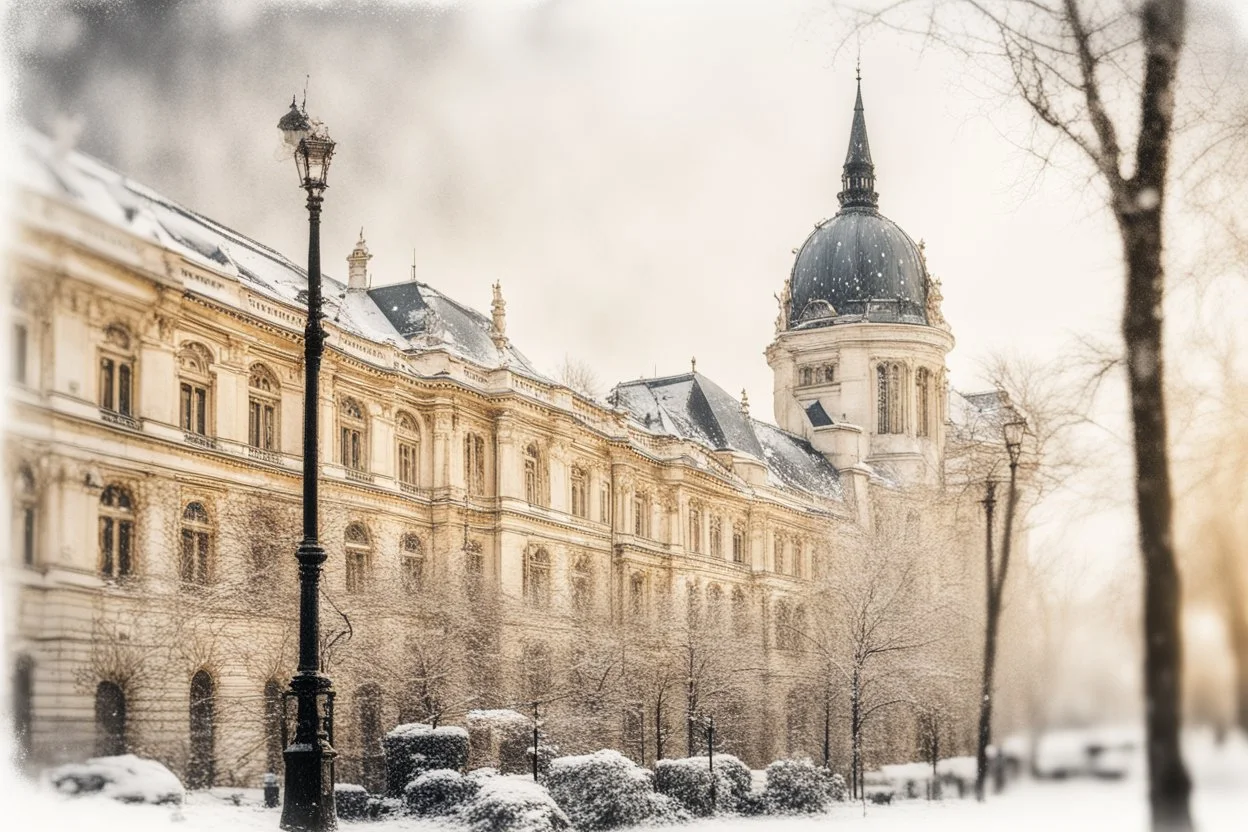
{"x":1096,"y":74}
{"x":579,"y":376}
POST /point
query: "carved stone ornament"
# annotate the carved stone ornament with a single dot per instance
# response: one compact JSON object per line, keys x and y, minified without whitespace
{"x":934,"y":297}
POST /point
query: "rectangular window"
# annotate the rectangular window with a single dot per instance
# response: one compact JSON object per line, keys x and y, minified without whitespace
{"x":352,"y":449}
{"x":28,"y":535}
{"x":124,"y":530}
{"x":253,"y":424}
{"x":194,"y":406}
{"x":270,"y":428}
{"x":262,"y":425}
{"x":106,"y":546}
{"x":19,"y":353}
{"x":408,"y":454}
{"x":123,"y":390}
{"x":107,"y":375}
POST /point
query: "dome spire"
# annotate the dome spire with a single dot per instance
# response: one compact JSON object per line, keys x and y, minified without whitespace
{"x":858,"y":176}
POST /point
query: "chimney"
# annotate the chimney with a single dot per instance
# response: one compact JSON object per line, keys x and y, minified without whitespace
{"x":357,"y":266}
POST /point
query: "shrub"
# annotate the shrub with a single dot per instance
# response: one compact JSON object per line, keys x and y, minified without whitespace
{"x":350,"y":801}
{"x":513,"y":804}
{"x":439,"y":792}
{"x":881,"y":798}
{"x":688,"y":782}
{"x":794,"y":786}
{"x":126,"y":778}
{"x":604,"y":790}
{"x":502,"y":738}
{"x":837,"y":790}
{"x":415,"y":748}
{"x":752,"y":804}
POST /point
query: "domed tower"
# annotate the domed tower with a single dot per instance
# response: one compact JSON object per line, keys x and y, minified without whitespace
{"x":859,"y":355}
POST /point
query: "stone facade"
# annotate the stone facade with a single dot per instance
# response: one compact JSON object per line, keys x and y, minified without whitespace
{"x":494,"y":537}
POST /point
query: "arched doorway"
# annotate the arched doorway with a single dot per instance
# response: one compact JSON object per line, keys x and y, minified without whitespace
{"x":200,"y":768}
{"x":274,"y":727}
{"x":110,"y":719}
{"x":23,"y":706}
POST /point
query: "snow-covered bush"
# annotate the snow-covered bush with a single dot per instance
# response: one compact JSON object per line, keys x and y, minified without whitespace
{"x":513,"y":804}
{"x":736,"y":774}
{"x":881,"y":798}
{"x":500,"y":738}
{"x":415,"y":748}
{"x":126,"y":777}
{"x":439,"y":792}
{"x":350,"y":801}
{"x":795,"y":786}
{"x":606,"y":790}
{"x":837,"y":790}
{"x":688,"y":782}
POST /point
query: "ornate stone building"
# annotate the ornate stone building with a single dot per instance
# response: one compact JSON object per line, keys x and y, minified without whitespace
{"x":495,"y":537}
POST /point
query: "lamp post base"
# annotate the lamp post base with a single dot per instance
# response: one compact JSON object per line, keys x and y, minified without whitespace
{"x":309,"y":803}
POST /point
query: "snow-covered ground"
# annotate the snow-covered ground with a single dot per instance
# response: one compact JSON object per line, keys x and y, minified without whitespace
{"x":1220,"y":805}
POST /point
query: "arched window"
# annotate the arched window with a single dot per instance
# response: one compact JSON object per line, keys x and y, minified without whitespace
{"x":534,"y":475}
{"x":352,"y":435}
{"x":263,"y":407}
{"x":274,"y":727}
{"x":368,"y":724}
{"x":641,"y":514}
{"x":537,"y":577}
{"x":196,"y":544}
{"x":201,"y":766}
{"x":637,"y":595}
{"x":799,"y":628}
{"x":116,"y":532}
{"x":582,"y":585}
{"x":695,"y":527}
{"x":116,"y":381}
{"x":26,"y":511}
{"x":474,"y":464}
{"x":538,"y":671}
{"x":890,"y":415}
{"x":474,"y":565}
{"x":738,"y":543}
{"x":580,"y":492}
{"x":717,"y":535}
{"x":693,"y":606}
{"x":740,"y":612}
{"x":784,"y":626}
{"x":195,"y":389}
{"x":413,"y":563}
{"x":923,"y":397}
{"x":110,"y":720}
{"x":408,"y":451}
{"x":778,"y":553}
{"x":359,"y":557}
{"x":714,"y":606}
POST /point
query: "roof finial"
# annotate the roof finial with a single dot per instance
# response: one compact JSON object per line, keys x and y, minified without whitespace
{"x":745,"y":403}
{"x":413,"y":265}
{"x":693,"y":364}
{"x":498,"y":321}
{"x":858,"y":175}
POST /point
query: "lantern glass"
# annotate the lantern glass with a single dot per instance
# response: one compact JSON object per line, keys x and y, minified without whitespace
{"x":294,"y":127}
{"x":313,"y":156}
{"x":1014,"y":431}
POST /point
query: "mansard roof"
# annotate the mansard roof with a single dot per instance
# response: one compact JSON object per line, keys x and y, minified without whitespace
{"x":412,"y":316}
{"x":691,"y":406}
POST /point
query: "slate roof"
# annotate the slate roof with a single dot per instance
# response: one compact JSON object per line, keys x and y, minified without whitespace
{"x":691,"y":406}
{"x":412,"y":316}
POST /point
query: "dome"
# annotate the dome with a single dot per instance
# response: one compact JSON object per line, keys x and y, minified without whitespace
{"x":859,"y":264}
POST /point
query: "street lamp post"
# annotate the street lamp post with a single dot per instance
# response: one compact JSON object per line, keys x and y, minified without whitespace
{"x":996,"y":571}
{"x":309,"y":803}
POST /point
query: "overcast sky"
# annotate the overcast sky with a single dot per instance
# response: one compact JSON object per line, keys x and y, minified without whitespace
{"x":637,"y":174}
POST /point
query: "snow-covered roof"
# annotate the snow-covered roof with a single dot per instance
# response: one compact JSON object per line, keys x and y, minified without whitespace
{"x":412,"y":316}
{"x":692,"y":407}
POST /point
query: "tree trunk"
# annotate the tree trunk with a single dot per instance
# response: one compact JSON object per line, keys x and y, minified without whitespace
{"x":1236,"y":617}
{"x":855,"y":730}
